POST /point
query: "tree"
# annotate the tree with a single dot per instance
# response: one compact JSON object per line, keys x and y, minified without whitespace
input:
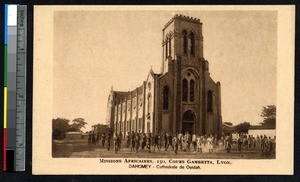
{"x":269,"y":115}
{"x":242,"y":127}
{"x":100,"y":128}
{"x":77,"y":124}
{"x":59,"y":128}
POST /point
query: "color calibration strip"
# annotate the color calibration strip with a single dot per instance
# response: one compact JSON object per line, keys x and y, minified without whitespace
{"x":5,"y":90}
{"x":14,"y":66}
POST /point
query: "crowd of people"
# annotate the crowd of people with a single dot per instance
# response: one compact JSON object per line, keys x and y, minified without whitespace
{"x":262,"y":142}
{"x":181,"y":142}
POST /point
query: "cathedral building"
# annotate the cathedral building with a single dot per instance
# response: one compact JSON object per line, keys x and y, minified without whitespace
{"x":181,"y":98}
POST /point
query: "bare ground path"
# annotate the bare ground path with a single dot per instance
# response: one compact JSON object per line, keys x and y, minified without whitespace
{"x":80,"y":149}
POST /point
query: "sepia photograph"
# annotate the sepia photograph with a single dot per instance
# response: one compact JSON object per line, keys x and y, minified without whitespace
{"x":156,"y":88}
{"x":171,"y":102}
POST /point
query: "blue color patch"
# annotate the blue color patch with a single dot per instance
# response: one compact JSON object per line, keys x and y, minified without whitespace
{"x":5,"y":24}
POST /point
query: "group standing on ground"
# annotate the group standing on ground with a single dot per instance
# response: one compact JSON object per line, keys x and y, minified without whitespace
{"x":184,"y":142}
{"x":262,"y":142}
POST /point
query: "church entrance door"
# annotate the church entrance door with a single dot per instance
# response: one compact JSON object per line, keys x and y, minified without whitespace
{"x":188,"y":121}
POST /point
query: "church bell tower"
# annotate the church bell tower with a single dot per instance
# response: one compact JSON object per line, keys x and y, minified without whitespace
{"x":182,"y":36}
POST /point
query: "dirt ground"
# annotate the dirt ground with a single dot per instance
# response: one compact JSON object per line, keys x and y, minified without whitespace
{"x":80,"y":149}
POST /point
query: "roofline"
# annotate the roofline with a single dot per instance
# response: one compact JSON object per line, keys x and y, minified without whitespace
{"x":184,"y":18}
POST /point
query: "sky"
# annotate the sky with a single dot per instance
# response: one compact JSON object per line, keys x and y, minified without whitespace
{"x":95,"y":50}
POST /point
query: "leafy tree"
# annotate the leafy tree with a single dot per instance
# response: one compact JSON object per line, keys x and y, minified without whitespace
{"x":77,"y":124}
{"x":269,"y":115}
{"x":242,"y":127}
{"x":59,"y":128}
{"x":101,"y":128}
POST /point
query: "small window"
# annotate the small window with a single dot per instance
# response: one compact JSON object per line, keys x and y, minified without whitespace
{"x":149,"y":103}
{"x":166,"y":97}
{"x":127,"y":126}
{"x":166,"y":43}
{"x":148,"y":126}
{"x":185,"y":41}
{"x":209,"y":101}
{"x":192,"y":43}
{"x":170,"y":46}
{"x":192,"y":90}
{"x":184,"y":90}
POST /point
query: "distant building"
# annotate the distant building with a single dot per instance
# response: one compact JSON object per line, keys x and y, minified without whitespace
{"x":73,"y":135}
{"x":257,"y":130}
{"x":181,"y":98}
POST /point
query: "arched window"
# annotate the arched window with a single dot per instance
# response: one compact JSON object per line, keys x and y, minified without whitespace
{"x":167,"y":52}
{"x":192,"y":90}
{"x":192,"y":43}
{"x":170,"y":45}
{"x":149,"y":103}
{"x":166,"y":97}
{"x":209,"y":101}
{"x":185,"y":41}
{"x":184,"y":90}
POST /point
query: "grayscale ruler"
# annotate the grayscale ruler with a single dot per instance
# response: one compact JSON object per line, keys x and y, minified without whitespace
{"x":21,"y":88}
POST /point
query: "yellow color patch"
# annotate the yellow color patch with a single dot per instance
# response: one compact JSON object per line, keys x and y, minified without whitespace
{"x":5,"y":108}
